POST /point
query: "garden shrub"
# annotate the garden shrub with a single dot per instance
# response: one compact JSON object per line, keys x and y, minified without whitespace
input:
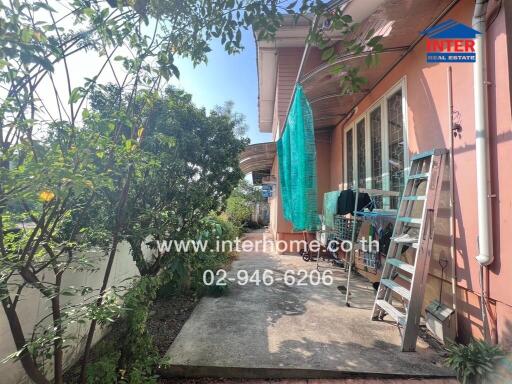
{"x":473,"y":363}
{"x":212,"y":228}
{"x":139,"y":358}
{"x":104,"y":369}
{"x":239,"y":210}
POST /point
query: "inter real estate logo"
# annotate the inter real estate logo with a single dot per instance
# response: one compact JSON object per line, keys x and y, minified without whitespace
{"x":450,"y":42}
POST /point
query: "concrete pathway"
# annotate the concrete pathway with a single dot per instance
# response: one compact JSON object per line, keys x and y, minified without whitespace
{"x":293,"y":331}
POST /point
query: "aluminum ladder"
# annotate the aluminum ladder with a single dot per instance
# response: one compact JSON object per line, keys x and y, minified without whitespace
{"x":414,"y":228}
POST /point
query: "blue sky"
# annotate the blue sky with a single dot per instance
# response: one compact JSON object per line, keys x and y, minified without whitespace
{"x":226,"y":77}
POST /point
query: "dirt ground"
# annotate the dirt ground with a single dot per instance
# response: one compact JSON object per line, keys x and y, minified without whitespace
{"x":167,"y":318}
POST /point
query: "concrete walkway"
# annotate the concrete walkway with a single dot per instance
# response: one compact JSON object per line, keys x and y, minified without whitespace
{"x":293,"y":331}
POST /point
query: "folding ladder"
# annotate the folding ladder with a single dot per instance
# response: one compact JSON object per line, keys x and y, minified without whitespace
{"x":414,"y":228}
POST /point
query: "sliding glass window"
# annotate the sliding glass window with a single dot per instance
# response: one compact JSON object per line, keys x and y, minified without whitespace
{"x":395,"y":144}
{"x":376,"y":151}
{"x":349,"y":159}
{"x":375,"y":148}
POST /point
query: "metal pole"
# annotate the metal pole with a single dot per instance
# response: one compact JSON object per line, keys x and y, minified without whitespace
{"x":452,"y":196}
{"x":351,"y":257}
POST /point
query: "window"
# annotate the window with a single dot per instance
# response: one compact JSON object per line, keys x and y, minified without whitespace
{"x":376,"y":151}
{"x":349,"y":161}
{"x":375,"y":147}
{"x":396,"y":144}
{"x":361,"y":154}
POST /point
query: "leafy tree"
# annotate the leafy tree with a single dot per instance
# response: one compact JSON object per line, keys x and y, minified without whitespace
{"x":53,"y":183}
{"x":58,"y":158}
{"x":242,"y":202}
{"x":248,"y":191}
{"x":187,"y":166}
{"x":238,"y":210}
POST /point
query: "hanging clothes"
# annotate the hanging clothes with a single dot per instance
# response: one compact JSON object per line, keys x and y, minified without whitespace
{"x":364,"y":202}
{"x":347,"y":202}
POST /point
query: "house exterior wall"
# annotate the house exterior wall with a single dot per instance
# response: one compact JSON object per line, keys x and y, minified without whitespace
{"x":288,"y":63}
{"x":428,"y":127}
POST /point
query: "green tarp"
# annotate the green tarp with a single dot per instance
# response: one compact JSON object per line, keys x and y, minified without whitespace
{"x":297,"y":166}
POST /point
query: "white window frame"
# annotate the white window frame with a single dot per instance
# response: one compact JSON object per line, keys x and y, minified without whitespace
{"x":383,"y":141}
{"x":382,"y":103}
{"x":367,"y":153}
{"x":345,"y":152}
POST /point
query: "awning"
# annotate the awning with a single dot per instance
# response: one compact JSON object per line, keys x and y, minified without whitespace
{"x":258,"y":159}
{"x":400,"y":23}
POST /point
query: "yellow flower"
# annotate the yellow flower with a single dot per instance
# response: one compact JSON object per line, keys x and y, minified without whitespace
{"x":46,"y":196}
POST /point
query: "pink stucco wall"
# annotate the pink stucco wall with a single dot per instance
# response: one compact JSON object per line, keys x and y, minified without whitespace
{"x":427,"y":119}
{"x":427,"y":124}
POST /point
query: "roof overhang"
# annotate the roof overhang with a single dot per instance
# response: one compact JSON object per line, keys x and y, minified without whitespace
{"x":289,"y":35}
{"x":258,"y":160}
{"x":400,"y":23}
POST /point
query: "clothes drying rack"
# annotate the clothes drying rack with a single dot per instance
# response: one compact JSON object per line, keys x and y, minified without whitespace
{"x":372,"y":193}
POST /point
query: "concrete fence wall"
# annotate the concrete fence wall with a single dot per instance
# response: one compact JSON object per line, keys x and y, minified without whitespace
{"x":34,"y":308}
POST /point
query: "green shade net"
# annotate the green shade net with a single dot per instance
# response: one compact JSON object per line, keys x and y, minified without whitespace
{"x":297,"y":166}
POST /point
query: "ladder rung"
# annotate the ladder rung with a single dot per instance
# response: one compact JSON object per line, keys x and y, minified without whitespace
{"x":436,"y":151}
{"x":403,"y":277}
{"x":418,"y":176}
{"x":397,"y":288}
{"x":409,"y":241}
{"x":401,"y":264}
{"x":414,"y":198}
{"x":398,"y":316}
{"x":409,"y":220}
{"x":422,"y":155}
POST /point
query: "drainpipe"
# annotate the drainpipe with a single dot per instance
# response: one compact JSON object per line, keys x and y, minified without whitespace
{"x":483,"y":178}
{"x":485,"y":256}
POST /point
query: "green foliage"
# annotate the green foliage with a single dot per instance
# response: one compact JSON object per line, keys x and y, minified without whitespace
{"x":130,"y":357}
{"x":241,"y":203}
{"x":104,"y":370}
{"x":186,"y":166}
{"x":139,"y":357}
{"x":474,"y":361}
{"x":217,"y":290}
{"x":354,"y":41}
{"x":213,"y":229}
{"x":139,"y":163}
{"x":238,"y":209}
{"x":248,"y":191}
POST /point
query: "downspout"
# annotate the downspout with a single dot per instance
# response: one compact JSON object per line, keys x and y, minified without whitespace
{"x":485,"y":253}
{"x":485,"y":256}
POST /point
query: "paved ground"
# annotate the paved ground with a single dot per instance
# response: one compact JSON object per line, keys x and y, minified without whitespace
{"x":309,"y":381}
{"x":293,"y":331}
